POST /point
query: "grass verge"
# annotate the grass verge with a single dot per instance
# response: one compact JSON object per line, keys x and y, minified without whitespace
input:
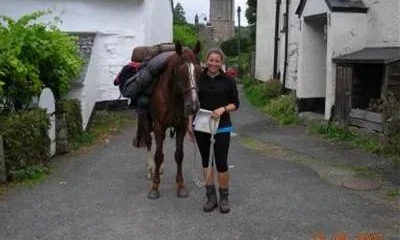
{"x":103,"y":125}
{"x":338,"y":133}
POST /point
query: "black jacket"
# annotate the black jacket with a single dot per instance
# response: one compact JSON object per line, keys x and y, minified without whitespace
{"x":218,"y":92}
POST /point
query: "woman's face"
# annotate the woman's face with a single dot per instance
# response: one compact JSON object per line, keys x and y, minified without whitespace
{"x":214,"y":63}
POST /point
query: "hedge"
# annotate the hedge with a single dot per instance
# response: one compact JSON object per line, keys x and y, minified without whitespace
{"x":26,"y":142}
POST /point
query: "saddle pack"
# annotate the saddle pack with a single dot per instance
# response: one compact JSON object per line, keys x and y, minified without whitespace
{"x":138,"y":77}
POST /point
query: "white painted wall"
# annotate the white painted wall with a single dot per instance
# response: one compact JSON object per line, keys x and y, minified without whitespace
{"x":314,"y":7}
{"x":293,"y":45}
{"x":312,"y":78}
{"x":159,"y":22}
{"x":383,"y":23}
{"x":265,"y":40}
{"x":87,"y":93}
{"x":346,"y":33}
{"x":120,"y":25}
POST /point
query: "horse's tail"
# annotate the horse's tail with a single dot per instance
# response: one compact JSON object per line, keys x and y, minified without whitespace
{"x":143,"y":129}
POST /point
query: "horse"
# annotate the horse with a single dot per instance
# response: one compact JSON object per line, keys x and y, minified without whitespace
{"x":174,"y":99}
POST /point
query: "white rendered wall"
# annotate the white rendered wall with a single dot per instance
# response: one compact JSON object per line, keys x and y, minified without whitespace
{"x":346,"y":33}
{"x":314,"y":7}
{"x":121,"y":26}
{"x":293,"y":45}
{"x":383,"y":23}
{"x":312,"y":82}
{"x":265,"y":40}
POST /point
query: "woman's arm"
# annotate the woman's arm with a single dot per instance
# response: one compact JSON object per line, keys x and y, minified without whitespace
{"x":233,"y":101}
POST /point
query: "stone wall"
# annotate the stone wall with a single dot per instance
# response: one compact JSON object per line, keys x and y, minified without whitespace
{"x":62,"y":144}
{"x":85,"y":43}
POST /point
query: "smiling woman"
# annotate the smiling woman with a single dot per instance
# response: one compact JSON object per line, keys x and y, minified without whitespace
{"x":218,"y":94}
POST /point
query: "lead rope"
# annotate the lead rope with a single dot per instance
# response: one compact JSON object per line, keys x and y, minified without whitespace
{"x":196,"y":173}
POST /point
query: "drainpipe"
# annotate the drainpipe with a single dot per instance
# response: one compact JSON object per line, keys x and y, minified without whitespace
{"x":276,"y":41}
{"x":286,"y":46}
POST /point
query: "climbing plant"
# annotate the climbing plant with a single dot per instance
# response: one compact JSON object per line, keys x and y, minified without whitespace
{"x":34,"y":55}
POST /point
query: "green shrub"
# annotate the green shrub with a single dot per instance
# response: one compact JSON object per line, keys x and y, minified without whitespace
{"x":30,"y":172}
{"x":26,"y":142}
{"x":283,"y":109}
{"x":70,"y":110}
{"x":392,"y":123}
{"x":261,"y":93}
{"x":244,"y":62}
{"x":334,"y":132}
{"x":247,"y":82}
{"x":34,"y":55}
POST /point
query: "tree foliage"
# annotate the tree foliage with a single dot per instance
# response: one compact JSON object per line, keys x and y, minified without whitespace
{"x":185,"y":34}
{"x":179,"y":15}
{"x":230,"y":46}
{"x":251,"y":11}
{"x":34,"y":55}
{"x":251,"y":15}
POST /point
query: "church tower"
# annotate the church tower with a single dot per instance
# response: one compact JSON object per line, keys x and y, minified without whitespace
{"x":222,"y":18}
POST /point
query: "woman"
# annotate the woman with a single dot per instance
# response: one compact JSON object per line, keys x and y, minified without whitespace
{"x":218,"y":93}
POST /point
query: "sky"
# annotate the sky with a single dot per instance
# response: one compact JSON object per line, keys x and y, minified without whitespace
{"x":200,"y":7}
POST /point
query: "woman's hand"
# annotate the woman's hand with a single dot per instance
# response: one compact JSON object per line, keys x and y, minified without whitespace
{"x":218,"y":112}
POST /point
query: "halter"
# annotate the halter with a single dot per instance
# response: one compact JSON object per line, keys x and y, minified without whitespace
{"x":182,"y":60}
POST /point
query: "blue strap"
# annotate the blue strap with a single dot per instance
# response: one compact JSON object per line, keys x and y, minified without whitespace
{"x":225,"y":129}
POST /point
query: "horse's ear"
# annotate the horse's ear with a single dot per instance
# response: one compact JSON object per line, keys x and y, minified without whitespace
{"x":178,"y":48}
{"x":197,"y":48}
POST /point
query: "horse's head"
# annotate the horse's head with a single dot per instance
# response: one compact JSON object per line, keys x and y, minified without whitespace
{"x":185,"y":75}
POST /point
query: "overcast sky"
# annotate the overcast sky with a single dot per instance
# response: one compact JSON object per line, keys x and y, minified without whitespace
{"x":203,"y":7}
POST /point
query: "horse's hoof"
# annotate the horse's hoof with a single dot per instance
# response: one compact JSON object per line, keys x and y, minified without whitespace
{"x":182,"y":193}
{"x":154,"y":194}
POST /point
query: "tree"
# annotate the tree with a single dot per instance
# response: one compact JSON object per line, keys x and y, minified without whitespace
{"x":251,"y":11}
{"x":251,"y":15}
{"x":185,"y":34}
{"x":229,"y":47}
{"x":179,"y":15}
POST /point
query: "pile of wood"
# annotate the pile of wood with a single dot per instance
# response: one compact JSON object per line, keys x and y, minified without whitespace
{"x":376,"y":105}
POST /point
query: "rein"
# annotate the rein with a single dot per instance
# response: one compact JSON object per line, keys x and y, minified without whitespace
{"x":211,"y":159}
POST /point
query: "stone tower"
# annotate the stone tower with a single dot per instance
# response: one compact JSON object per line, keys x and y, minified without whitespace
{"x":222,"y":18}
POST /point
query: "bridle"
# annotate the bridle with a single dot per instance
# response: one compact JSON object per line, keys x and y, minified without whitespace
{"x":183,"y":60}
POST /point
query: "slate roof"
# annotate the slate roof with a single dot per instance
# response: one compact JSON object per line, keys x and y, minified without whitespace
{"x":385,"y":55}
{"x":356,"y":6}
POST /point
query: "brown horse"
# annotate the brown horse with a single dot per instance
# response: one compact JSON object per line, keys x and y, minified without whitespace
{"x":174,"y":99}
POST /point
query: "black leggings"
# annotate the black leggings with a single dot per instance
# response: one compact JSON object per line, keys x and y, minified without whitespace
{"x":221,"y":148}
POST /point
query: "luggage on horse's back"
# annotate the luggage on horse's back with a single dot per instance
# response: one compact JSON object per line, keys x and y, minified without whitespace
{"x":138,"y":82}
{"x":144,"y":53}
{"x":126,"y":72}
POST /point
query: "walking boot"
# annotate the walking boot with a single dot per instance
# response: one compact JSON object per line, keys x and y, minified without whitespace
{"x":224,"y":200}
{"x":212,"y":202}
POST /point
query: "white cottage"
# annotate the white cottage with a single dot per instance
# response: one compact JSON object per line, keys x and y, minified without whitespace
{"x":303,"y":47}
{"x":108,"y":31}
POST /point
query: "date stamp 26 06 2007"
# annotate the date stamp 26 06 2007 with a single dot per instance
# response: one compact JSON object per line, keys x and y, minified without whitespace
{"x":344,"y":236}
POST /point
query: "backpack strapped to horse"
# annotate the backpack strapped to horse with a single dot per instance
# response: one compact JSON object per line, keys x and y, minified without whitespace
{"x":136,"y":81}
{"x":145,"y":53}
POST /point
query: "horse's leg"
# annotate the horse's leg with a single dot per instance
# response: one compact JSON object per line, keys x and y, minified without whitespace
{"x":159,"y":135}
{"x":181,"y":190}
